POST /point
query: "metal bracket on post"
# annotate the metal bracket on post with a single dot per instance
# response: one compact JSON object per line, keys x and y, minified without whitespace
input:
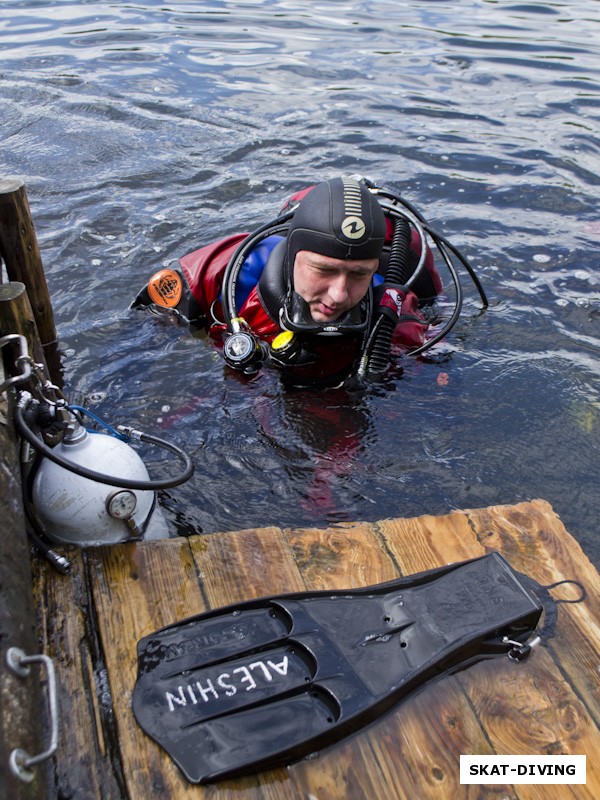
{"x":23,"y":361}
{"x":21,"y":762}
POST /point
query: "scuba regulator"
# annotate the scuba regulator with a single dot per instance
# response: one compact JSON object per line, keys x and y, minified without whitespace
{"x":244,"y":351}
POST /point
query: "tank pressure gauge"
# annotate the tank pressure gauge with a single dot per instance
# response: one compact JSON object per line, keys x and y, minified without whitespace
{"x":240,"y":349}
{"x":121,"y":504}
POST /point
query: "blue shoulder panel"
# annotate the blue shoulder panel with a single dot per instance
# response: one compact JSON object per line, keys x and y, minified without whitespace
{"x":252,"y":268}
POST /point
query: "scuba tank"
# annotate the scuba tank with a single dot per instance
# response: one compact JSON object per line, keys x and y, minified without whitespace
{"x":80,"y":511}
{"x":90,"y":488}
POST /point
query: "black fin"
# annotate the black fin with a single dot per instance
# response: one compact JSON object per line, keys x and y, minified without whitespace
{"x":264,"y":683}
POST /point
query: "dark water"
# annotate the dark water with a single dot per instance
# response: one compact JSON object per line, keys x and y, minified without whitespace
{"x":146,"y":129}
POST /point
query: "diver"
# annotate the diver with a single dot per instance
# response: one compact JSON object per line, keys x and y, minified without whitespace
{"x":323,"y":291}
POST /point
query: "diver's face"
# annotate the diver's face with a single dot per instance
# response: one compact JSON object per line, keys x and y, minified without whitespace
{"x":331,"y":286}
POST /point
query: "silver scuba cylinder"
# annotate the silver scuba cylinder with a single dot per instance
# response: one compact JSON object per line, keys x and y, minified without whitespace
{"x":77,"y":510}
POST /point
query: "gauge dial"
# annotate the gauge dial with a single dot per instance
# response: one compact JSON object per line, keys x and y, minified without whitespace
{"x":121,"y":504}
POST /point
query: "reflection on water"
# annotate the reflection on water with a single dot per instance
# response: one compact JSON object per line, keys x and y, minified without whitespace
{"x":144,"y":130}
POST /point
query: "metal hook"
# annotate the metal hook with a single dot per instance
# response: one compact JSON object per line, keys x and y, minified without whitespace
{"x":520,"y":650}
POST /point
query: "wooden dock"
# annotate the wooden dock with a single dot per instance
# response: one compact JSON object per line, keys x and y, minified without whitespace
{"x":90,"y":622}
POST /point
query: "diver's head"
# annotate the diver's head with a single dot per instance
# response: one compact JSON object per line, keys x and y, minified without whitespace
{"x":333,"y":248}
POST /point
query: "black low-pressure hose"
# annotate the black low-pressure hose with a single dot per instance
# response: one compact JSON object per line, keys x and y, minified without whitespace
{"x":438,"y":239}
{"x":124,"y":483}
{"x":398,"y":270}
{"x":232,"y":270}
{"x":398,"y":273}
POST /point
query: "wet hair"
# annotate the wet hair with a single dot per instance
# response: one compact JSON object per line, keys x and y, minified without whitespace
{"x":339,"y":218}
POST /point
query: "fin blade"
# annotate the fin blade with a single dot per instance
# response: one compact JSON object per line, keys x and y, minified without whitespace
{"x":269,"y":681}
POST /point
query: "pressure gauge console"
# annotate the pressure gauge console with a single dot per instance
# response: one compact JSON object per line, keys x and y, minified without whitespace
{"x":121,"y":504}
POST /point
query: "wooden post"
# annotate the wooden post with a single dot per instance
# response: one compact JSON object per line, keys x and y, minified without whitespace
{"x":21,"y":255}
{"x":16,"y":316}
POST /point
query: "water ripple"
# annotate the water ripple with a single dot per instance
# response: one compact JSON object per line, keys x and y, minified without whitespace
{"x":144,"y":130}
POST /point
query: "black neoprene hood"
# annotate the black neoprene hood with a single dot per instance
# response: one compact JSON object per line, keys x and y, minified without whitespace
{"x":339,"y":218}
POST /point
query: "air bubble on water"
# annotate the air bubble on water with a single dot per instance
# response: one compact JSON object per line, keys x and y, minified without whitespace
{"x":96,"y":397}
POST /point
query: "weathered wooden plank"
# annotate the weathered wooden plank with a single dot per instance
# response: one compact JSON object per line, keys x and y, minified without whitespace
{"x":138,"y":588}
{"x":529,"y":708}
{"x":533,"y":539}
{"x":346,"y":556}
{"x":83,"y":766}
{"x":428,"y":732}
{"x":426,"y":542}
{"x":241,"y":566}
{"x":551,"y":706}
{"x":245,"y":564}
{"x":412,"y":752}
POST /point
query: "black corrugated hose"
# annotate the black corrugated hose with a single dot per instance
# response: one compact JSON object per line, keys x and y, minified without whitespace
{"x":398,"y":272}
